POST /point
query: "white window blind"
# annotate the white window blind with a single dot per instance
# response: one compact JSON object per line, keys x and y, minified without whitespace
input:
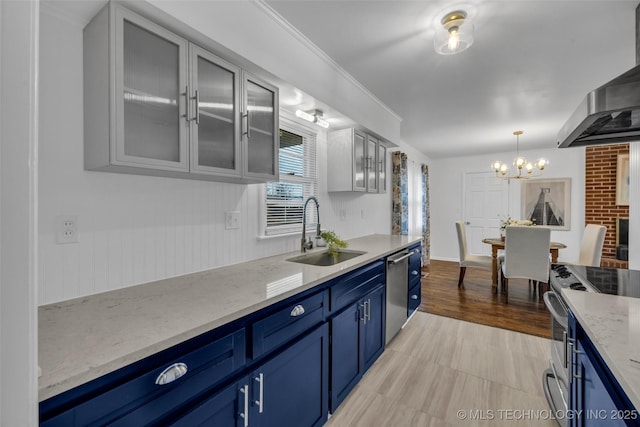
{"x":298,"y":180}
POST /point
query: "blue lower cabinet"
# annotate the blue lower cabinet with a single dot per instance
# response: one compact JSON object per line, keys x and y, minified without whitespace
{"x":415,"y":298}
{"x":289,"y":390}
{"x":225,"y":408}
{"x":357,"y":340}
{"x":593,"y":400}
{"x":292,"y":389}
{"x":374,"y":327}
{"x":595,"y":396}
{"x":139,"y":395}
{"x":346,"y":367}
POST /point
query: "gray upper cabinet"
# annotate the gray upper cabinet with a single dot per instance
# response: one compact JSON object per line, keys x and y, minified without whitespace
{"x":157,"y":104}
{"x":371,"y":164}
{"x":354,"y":162}
{"x":261,"y":129}
{"x":382,"y":169}
{"x":215,"y":123}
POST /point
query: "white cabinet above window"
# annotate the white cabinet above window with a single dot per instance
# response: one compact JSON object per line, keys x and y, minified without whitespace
{"x":157,"y":104}
{"x":356,"y":161}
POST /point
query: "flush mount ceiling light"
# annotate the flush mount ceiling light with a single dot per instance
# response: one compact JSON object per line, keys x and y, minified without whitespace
{"x":313,"y":116}
{"x":502,"y":169}
{"x":454,"y":33}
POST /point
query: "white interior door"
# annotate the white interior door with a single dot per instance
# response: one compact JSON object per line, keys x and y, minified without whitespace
{"x":486,"y":199}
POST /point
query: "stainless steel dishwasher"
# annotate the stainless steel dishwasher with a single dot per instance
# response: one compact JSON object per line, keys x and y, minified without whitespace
{"x":397,"y":292}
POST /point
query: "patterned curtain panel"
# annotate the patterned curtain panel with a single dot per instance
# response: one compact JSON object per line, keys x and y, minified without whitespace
{"x":426,"y":217}
{"x":400,"y":198}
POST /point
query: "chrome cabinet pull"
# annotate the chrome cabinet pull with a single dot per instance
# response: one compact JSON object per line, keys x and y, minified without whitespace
{"x":245,"y":414}
{"x":414,"y":296}
{"x":248,"y":128}
{"x":298,"y":310}
{"x":187,"y":101}
{"x":260,"y":380}
{"x":363,"y":309}
{"x":171,"y":373}
{"x":197,"y":98}
{"x":367,"y":310}
{"x":414,"y":272}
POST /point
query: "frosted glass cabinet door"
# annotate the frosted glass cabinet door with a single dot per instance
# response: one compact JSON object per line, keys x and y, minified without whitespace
{"x":372,"y":165}
{"x":215,"y":121}
{"x":382,"y":169}
{"x":260,"y":129}
{"x":150,"y":70}
{"x":359,"y":162}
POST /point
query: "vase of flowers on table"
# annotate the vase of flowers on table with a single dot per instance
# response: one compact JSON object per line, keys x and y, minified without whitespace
{"x":506,"y":221}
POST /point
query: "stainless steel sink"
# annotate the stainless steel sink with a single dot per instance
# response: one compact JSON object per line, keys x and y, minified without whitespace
{"x":325,"y":259}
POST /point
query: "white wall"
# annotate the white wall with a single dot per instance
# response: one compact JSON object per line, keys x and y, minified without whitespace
{"x":135,"y":229}
{"x":447,"y":197}
{"x":18,"y":201}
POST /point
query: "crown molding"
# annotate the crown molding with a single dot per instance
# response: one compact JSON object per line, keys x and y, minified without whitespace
{"x":280,"y":20}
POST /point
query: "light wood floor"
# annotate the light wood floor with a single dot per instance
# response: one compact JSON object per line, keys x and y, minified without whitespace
{"x":437,"y":366}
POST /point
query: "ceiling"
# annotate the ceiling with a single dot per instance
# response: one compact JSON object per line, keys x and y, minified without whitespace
{"x":532,"y":62}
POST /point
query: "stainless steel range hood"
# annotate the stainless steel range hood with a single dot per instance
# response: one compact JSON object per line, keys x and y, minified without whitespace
{"x":610,"y":114}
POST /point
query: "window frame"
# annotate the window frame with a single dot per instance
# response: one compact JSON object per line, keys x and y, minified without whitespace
{"x":310,"y":136}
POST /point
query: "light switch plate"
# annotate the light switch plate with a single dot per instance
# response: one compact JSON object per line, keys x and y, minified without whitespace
{"x":232,"y":220}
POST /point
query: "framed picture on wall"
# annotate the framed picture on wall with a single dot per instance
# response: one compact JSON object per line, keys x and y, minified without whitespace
{"x":622,"y":180}
{"x":547,"y":202}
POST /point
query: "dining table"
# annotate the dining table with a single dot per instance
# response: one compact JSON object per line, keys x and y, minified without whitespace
{"x":497,"y":243}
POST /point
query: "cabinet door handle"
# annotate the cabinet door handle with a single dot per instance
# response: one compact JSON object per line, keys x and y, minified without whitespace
{"x":363,"y":310}
{"x":248,"y":128}
{"x":414,"y":296}
{"x":296,"y":311}
{"x":414,"y":272}
{"x":187,"y":101}
{"x":260,"y":380}
{"x":245,"y":414}
{"x":197,"y":98}
{"x":367,"y":305}
{"x":570,"y":367}
{"x":171,"y":373}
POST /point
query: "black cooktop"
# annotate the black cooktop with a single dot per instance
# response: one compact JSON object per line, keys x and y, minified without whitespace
{"x":612,"y":281}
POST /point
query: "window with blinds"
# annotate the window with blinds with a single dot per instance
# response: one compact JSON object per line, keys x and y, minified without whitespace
{"x":298,"y":181}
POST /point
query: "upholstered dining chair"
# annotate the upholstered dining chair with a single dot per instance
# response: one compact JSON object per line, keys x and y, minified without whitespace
{"x":466,"y":259}
{"x":591,"y":245}
{"x":526,"y":255}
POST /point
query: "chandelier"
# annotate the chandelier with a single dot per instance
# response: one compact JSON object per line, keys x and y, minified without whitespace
{"x":522,"y":165}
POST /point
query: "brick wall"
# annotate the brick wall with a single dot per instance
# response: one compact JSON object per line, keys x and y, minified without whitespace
{"x":600,"y":195}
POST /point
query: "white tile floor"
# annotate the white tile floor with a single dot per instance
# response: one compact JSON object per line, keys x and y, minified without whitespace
{"x":444,"y":372}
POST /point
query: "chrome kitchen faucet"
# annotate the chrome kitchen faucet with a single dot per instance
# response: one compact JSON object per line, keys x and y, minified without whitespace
{"x":304,"y":245}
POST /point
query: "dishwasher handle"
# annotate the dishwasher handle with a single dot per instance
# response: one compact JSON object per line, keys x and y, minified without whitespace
{"x":397,"y":260}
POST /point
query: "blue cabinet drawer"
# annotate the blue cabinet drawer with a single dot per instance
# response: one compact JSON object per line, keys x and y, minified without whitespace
{"x":415,"y":298}
{"x":140,"y":400}
{"x":288,"y":322}
{"x":356,"y":284}
{"x":415,"y":261}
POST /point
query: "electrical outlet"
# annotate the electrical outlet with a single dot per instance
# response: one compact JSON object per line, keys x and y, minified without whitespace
{"x":66,"y":229}
{"x":232,"y":220}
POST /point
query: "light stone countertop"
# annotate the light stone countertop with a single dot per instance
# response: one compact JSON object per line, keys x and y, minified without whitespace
{"x":613,"y":325}
{"x":84,"y":338}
